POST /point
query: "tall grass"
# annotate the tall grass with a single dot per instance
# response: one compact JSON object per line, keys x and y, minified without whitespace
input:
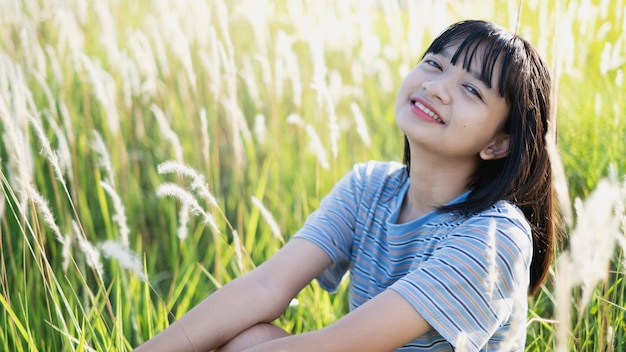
{"x":152,"y":151}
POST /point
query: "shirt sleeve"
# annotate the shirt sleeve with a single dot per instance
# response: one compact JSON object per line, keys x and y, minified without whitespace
{"x":332,"y":226}
{"x":469,"y":287}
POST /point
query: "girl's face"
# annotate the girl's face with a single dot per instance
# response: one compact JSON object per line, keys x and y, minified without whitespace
{"x":447,"y":110}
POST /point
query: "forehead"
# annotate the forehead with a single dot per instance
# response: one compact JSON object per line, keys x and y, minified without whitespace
{"x":480,"y":59}
{"x":486,"y":54}
{"x":472,"y":64}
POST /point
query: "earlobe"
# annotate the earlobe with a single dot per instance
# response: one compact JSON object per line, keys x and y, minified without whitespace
{"x":497,"y":149}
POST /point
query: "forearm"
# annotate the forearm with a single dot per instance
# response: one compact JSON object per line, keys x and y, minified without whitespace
{"x":384,"y":323}
{"x":306,"y":342}
{"x":257,"y":297}
{"x":218,"y":318}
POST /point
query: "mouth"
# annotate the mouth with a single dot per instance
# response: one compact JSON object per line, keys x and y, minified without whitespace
{"x":426,"y":110}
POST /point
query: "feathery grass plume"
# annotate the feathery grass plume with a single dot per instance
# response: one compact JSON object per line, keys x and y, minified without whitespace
{"x":320,"y":72}
{"x":562,"y":294}
{"x":70,"y":35}
{"x":15,"y":125}
{"x":179,"y":44}
{"x":227,"y":57}
{"x":281,"y":61}
{"x":125,"y":257}
{"x":131,"y":83}
{"x":324,"y":94}
{"x":559,"y":180}
{"x":293,"y":73}
{"x":67,"y":123}
{"x":238,"y":250}
{"x":361,"y":125}
{"x":385,"y":76}
{"x":315,"y":143}
{"x":621,"y":212}
{"x":592,"y":242}
{"x":145,"y":63}
{"x":295,"y":119}
{"x":257,"y":16}
{"x":46,"y":90}
{"x":316,"y":44}
{"x":159,"y":45}
{"x":609,"y":338}
{"x":108,"y":31}
{"x":611,"y":58}
{"x":239,"y":129}
{"x":520,"y":310}
{"x":120,"y":213}
{"x":492,"y":276}
{"x":461,"y":342}
{"x":266,"y":70}
{"x":394,"y":21}
{"x":183,"y":218}
{"x":248,"y":76}
{"x":53,"y":64}
{"x":2,"y":200}
{"x":287,"y":67}
{"x":212,"y":65}
{"x":66,"y":252}
{"x":104,"y":88}
{"x":41,"y":204}
{"x":198,"y":184}
{"x":267,"y":215}
{"x":46,"y":150}
{"x":316,"y":147}
{"x":92,"y":256}
{"x":184,"y":197}
{"x":371,"y":47}
{"x":167,"y":132}
{"x":105,"y":160}
{"x":206,"y":140}
{"x":222,"y":17}
{"x":64,"y":156}
{"x":259,"y":128}
{"x":591,"y":247}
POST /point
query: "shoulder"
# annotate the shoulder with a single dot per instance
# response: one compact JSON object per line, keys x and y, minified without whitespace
{"x":379,"y":170}
{"x":502,"y":223}
{"x":506,"y":215}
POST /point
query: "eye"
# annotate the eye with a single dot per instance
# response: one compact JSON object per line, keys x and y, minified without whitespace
{"x":472,"y":90}
{"x":432,"y":63}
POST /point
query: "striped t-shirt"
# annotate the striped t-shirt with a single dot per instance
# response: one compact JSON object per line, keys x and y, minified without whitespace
{"x":466,"y":275}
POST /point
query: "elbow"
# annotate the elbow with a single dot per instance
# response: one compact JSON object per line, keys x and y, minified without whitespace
{"x":268,"y":298}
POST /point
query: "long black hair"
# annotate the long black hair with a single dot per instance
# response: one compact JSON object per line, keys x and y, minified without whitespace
{"x":524,"y":176}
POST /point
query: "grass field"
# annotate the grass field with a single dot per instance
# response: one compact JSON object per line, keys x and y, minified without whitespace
{"x":153,"y":150}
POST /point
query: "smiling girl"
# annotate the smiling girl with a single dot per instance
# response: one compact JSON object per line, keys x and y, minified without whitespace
{"x":442,"y":250}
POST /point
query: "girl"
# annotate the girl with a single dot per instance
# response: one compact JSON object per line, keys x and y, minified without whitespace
{"x":443,"y":250}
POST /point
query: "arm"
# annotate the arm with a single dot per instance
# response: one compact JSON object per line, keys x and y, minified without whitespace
{"x":384,"y":323}
{"x":259,"y":296}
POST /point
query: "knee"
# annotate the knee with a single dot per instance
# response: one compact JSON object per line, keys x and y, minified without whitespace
{"x":253,"y":336}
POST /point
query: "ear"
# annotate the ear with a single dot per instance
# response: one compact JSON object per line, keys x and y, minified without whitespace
{"x":497,"y":149}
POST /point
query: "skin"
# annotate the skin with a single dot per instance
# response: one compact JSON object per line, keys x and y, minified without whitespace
{"x":385,"y":322}
{"x":444,"y":155}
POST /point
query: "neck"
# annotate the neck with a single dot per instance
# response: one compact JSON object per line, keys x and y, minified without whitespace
{"x":433,"y":185}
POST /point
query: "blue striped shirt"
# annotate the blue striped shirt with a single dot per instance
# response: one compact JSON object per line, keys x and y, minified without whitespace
{"x":466,"y":275}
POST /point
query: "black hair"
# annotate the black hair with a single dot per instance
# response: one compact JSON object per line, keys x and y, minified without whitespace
{"x":524,"y":176}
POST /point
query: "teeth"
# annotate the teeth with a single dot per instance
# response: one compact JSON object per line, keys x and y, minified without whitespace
{"x":428,"y":112}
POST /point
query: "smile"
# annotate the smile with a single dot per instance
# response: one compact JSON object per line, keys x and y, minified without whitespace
{"x":427,"y":111}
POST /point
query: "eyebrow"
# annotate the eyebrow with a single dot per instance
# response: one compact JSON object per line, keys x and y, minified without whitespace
{"x":446,"y":53}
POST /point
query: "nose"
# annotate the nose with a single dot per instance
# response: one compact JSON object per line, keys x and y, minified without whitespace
{"x":438,"y":88}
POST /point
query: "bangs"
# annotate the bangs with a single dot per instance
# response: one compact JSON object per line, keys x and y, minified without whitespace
{"x":493,"y":47}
